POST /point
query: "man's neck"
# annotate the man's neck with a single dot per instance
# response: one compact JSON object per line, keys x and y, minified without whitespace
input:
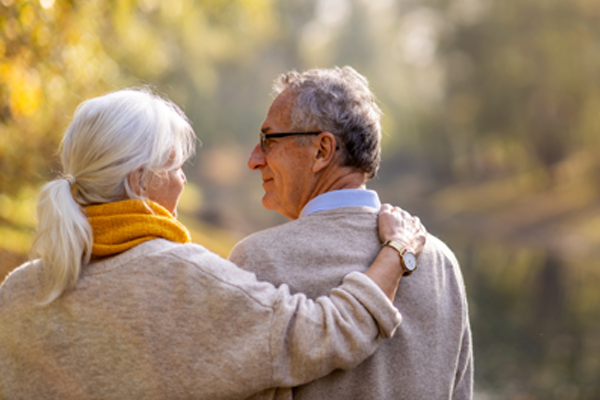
{"x":340,"y":178}
{"x":344,"y":178}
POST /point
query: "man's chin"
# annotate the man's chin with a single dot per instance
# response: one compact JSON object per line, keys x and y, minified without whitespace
{"x":273,"y":206}
{"x":267,"y":203}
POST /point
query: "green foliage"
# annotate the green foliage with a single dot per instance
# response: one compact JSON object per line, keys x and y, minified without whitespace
{"x":524,"y":76}
{"x":53,"y":54}
{"x":56,"y":53}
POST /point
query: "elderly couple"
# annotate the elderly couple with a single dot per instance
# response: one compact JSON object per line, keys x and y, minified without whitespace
{"x":119,"y":304}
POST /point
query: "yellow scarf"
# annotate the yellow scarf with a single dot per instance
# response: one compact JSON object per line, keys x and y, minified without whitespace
{"x":121,"y":225}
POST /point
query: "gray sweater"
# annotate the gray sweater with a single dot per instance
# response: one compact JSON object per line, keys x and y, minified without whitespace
{"x":430,"y":355}
{"x":171,"y":321}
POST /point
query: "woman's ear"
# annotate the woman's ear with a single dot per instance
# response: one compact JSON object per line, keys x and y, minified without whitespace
{"x":326,"y":145}
{"x":136,"y":182}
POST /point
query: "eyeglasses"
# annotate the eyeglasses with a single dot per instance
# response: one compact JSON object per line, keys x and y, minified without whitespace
{"x":265,"y":136}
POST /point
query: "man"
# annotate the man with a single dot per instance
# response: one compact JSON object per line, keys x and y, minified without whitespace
{"x":319,"y":144}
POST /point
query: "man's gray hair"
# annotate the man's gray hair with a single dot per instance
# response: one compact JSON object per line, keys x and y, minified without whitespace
{"x":337,"y":100}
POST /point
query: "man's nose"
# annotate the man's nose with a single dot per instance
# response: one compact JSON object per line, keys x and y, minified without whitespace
{"x":257,"y":158}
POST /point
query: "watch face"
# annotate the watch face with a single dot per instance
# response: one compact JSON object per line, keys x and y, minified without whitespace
{"x":410,"y":261}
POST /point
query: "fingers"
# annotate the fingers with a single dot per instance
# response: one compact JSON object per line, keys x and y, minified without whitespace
{"x":420,"y":236}
{"x":386,"y":208}
{"x":390,"y":222}
{"x":421,"y":241}
{"x":398,"y":225}
{"x":417,"y":221}
{"x":394,"y":223}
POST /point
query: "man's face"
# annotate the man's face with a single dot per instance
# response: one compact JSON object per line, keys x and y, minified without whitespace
{"x":286,"y":167}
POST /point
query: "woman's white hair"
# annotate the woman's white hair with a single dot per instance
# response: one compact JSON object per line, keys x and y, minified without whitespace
{"x":110,"y":137}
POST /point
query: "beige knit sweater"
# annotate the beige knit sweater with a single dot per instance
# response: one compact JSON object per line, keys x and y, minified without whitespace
{"x":171,"y":321}
{"x":429,"y":357}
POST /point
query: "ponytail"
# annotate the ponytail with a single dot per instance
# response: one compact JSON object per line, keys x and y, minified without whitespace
{"x":64,"y":238}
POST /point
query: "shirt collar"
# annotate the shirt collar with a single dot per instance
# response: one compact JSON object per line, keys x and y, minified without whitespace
{"x":342,"y":198}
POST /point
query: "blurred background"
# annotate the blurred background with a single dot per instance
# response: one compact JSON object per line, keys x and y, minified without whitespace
{"x":491,"y":136}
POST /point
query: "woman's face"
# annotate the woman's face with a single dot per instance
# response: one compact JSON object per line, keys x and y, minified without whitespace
{"x":166,"y":188}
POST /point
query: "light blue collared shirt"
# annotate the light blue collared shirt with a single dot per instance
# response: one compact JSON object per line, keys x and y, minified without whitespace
{"x":342,"y":198}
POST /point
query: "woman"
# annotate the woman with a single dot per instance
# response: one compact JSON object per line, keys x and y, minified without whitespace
{"x":120,"y":304}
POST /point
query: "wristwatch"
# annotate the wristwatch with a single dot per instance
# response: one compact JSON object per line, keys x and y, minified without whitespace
{"x":407,"y":259}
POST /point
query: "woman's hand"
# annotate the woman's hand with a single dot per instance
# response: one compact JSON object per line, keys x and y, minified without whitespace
{"x":397,"y":225}
{"x":401,"y":227}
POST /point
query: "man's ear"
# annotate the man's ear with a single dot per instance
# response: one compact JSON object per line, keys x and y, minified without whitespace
{"x":136,"y":183}
{"x":325,"y":154}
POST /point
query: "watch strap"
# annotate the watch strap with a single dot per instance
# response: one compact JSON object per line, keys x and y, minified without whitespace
{"x":401,"y":252}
